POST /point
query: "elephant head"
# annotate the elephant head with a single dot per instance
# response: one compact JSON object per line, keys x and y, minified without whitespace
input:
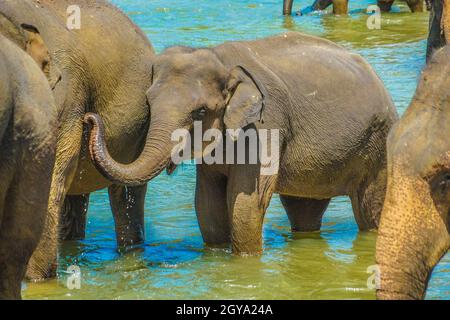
{"x":415,"y":222}
{"x":188,"y":85}
{"x":28,"y":37}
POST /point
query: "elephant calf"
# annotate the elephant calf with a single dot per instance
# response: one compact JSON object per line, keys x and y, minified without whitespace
{"x":28,"y":122}
{"x":332,"y":112}
{"x":415,"y":223}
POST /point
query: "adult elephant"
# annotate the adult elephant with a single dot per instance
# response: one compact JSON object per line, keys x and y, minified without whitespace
{"x":332,"y":111}
{"x":106,"y":68}
{"x":415,"y":224}
{"x":341,"y":6}
{"x":28,"y":122}
{"x":439,"y":25}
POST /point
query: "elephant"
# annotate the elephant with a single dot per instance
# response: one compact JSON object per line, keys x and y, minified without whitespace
{"x":28,"y":122}
{"x":341,"y":6}
{"x":439,"y":34}
{"x":331,"y":109}
{"x":415,"y":224}
{"x":105,"y":68}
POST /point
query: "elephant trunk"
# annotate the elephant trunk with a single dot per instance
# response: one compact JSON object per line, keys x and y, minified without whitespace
{"x":287,"y":7}
{"x":412,"y":238}
{"x":154,"y":158}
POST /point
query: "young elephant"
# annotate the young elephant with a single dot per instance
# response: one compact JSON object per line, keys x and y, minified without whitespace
{"x":415,"y":223}
{"x":28,"y":122}
{"x":332,"y":111}
{"x":341,"y":6}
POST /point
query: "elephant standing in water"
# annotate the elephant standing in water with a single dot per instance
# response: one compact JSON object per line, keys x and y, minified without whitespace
{"x":105,"y":68}
{"x":341,"y":6}
{"x":28,"y":122}
{"x":332,"y":111}
{"x":415,"y":224}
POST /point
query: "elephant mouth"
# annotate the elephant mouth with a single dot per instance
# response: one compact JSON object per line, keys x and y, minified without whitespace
{"x":171,"y":167}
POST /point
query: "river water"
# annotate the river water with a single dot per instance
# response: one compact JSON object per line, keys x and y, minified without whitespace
{"x":174,"y":263}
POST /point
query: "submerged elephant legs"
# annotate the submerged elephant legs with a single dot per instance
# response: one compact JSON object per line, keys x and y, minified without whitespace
{"x":305,"y":215}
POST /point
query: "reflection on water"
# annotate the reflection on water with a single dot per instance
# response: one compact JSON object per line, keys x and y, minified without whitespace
{"x":174,"y":264}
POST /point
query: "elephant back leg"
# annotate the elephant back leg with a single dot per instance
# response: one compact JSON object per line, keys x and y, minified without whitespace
{"x":127,"y":204}
{"x":73,"y":217}
{"x":24,"y":217}
{"x":415,"y":5}
{"x":43,"y":263}
{"x":304,"y":214}
{"x":385,"y":5}
{"x":211,"y":207}
{"x":368,"y":199}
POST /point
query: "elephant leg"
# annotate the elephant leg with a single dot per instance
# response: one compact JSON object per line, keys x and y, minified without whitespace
{"x":127,"y":204}
{"x":367,"y":201}
{"x":415,"y":5}
{"x":248,"y":196}
{"x":25,"y":211}
{"x":340,"y":6}
{"x":73,"y":217}
{"x":43,"y":263}
{"x":304,"y":214}
{"x":385,"y":5}
{"x":211,"y":207}
{"x":436,"y":38}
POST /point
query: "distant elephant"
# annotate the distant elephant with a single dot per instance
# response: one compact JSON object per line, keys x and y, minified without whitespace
{"x":439,"y":25}
{"x":332,"y":111}
{"x":105,"y":68}
{"x":415,"y":224}
{"x":28,"y":122}
{"x":341,"y":6}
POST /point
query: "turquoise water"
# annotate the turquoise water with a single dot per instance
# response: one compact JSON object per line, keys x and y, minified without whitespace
{"x":174,"y":264}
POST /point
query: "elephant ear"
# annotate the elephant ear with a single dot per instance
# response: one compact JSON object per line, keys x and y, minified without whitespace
{"x":37,"y":49}
{"x":245,"y":101}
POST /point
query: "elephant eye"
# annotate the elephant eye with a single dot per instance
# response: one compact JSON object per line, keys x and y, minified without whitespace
{"x":199,"y":114}
{"x":441,"y":183}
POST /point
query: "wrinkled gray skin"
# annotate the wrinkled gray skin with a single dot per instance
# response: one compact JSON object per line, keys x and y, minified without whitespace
{"x":332,"y":110}
{"x":341,"y":6}
{"x":439,"y":25}
{"x":415,"y":223}
{"x":105,"y":68}
{"x":28,"y":122}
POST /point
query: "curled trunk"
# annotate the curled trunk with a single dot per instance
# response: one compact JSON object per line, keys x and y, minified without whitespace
{"x":154,"y":158}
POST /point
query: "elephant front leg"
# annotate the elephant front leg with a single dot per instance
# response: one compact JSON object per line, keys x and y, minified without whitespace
{"x":127,"y":204}
{"x":248,"y":196}
{"x":73,"y":217}
{"x":211,"y":207}
{"x":304,"y":214}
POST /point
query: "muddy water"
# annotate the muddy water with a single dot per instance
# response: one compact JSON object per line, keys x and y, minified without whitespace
{"x":174,"y":264}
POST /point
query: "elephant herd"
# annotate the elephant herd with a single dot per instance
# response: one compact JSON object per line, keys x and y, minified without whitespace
{"x":341,"y":6}
{"x":82,"y":110}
